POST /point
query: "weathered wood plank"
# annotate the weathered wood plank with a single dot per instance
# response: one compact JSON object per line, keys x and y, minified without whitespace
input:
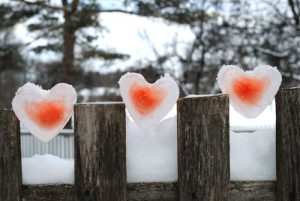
{"x":238,"y":191}
{"x":203,"y":148}
{"x":10,"y":157}
{"x":158,"y":191}
{"x":48,"y":193}
{"x":288,"y":144}
{"x":252,"y":191}
{"x":100,"y":146}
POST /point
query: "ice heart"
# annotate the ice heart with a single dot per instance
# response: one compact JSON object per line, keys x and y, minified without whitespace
{"x":146,"y":99}
{"x":148,"y":103}
{"x":249,"y":92}
{"x":44,"y":112}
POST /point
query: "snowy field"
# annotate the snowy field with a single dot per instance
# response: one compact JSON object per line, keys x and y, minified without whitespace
{"x":152,"y":156}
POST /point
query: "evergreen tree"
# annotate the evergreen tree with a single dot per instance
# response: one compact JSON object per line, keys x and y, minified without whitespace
{"x":63,"y":27}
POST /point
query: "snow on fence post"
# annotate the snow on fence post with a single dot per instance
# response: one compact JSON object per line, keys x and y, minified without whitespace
{"x":10,"y":157}
{"x":100,"y":152}
{"x":203,"y":148}
{"x":288,"y":144}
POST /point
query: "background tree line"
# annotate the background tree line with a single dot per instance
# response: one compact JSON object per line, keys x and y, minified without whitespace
{"x":240,"y":32}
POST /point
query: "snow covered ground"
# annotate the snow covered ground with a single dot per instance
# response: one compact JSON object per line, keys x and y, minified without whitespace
{"x":152,"y":155}
{"x":47,"y":169}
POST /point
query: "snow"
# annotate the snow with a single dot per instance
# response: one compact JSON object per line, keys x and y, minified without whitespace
{"x":47,"y":169}
{"x":152,"y":155}
{"x":252,"y":155}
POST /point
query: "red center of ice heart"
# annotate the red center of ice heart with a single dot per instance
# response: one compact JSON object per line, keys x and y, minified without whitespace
{"x":146,"y":99}
{"x":47,"y":114}
{"x":249,"y":89}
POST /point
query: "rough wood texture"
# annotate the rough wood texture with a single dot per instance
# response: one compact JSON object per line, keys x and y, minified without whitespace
{"x":203,"y":148}
{"x":100,"y":152}
{"x":238,"y":191}
{"x":10,"y":157}
{"x":152,"y":191}
{"x":252,"y":191}
{"x":48,"y":193}
{"x":288,"y":144}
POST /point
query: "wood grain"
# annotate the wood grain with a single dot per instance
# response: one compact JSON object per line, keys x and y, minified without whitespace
{"x":252,"y":191}
{"x":158,"y":191}
{"x":48,"y":193}
{"x":203,"y":148}
{"x":10,"y":157}
{"x":100,"y":152}
{"x":288,"y":144}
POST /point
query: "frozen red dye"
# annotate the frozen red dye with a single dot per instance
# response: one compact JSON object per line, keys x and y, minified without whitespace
{"x":47,"y":114}
{"x":146,"y":99}
{"x":249,"y":89}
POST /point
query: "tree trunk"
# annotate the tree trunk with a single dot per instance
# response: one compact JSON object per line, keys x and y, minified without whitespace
{"x":69,"y":39}
{"x":68,"y":51}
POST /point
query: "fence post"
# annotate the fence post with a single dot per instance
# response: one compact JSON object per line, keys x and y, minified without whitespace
{"x":288,"y":144}
{"x":203,"y":148}
{"x":10,"y":157}
{"x":100,"y":152}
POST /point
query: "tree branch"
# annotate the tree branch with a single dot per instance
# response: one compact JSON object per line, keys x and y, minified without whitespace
{"x":296,"y":17}
{"x":64,"y":2}
{"x":37,"y":3}
{"x":65,"y":5}
{"x":74,"y":5}
{"x":45,"y":33}
{"x":298,"y":6}
{"x":272,"y":53}
{"x":278,"y":12}
{"x":118,"y":11}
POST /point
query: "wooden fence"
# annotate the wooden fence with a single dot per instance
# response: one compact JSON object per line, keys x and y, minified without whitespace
{"x":203,"y":156}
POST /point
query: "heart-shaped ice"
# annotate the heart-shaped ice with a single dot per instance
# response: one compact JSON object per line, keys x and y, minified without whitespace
{"x":44,"y":112}
{"x":249,"y":92}
{"x":148,"y":103}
